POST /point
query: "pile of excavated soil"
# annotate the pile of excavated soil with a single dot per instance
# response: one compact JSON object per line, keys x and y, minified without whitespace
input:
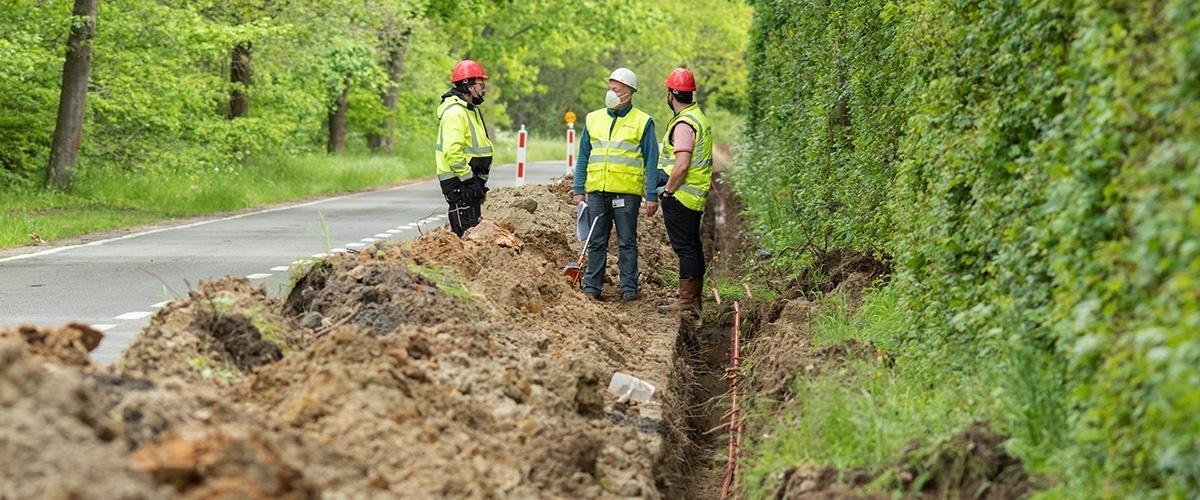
{"x":436,"y":368}
{"x":56,"y":440}
{"x":970,"y":464}
{"x":781,"y":345}
{"x":69,"y":344}
{"x":218,"y":333}
{"x":779,"y":339}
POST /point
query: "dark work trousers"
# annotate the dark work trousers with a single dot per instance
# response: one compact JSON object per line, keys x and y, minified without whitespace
{"x":620,"y":210}
{"x":683,"y":229}
{"x":463,"y":214}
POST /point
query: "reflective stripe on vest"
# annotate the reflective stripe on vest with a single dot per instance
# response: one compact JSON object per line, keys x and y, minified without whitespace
{"x":480,"y":144}
{"x":693,"y":193}
{"x":616,"y":163}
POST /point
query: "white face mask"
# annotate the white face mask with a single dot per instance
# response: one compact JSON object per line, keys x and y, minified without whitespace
{"x":611,"y":99}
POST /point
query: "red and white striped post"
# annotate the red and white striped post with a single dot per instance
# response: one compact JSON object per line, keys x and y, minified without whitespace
{"x":521,"y":156}
{"x":570,"y":148}
{"x":569,"y":117}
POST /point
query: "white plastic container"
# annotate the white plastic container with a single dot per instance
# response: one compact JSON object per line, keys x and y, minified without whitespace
{"x":626,"y":387}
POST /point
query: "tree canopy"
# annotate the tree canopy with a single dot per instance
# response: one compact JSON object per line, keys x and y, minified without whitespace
{"x":190,"y":85}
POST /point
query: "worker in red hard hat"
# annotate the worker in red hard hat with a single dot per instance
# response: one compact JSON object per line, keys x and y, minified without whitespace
{"x":464,"y":146}
{"x":685,"y":174}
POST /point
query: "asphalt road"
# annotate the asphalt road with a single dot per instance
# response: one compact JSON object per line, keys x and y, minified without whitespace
{"x":116,"y":284}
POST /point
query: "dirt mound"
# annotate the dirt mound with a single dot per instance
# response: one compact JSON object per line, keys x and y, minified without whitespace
{"x":781,"y":343}
{"x":443,"y":367}
{"x":834,"y":268}
{"x":203,"y":463}
{"x":543,"y":215}
{"x":415,"y":412}
{"x":219,"y":333}
{"x":69,"y":344}
{"x":806,"y":483}
{"x":970,"y":464}
{"x":381,"y":288}
{"x":57,"y":441}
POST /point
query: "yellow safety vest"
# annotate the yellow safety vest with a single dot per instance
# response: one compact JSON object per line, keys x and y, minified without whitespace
{"x":693,"y":193}
{"x":461,"y":136}
{"x":616,"y":164}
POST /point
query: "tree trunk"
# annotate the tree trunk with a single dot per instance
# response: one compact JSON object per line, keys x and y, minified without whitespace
{"x":239,"y":76}
{"x":68,"y":129}
{"x":397,"y":50}
{"x":337,"y":122}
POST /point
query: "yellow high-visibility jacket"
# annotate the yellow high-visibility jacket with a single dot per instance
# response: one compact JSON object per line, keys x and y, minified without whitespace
{"x":693,"y":193}
{"x":461,"y":137}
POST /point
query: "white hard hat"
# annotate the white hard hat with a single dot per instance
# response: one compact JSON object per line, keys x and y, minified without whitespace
{"x":624,"y":75}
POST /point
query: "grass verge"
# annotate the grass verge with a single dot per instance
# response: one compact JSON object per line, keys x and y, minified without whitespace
{"x":863,"y":413}
{"x":106,"y":199}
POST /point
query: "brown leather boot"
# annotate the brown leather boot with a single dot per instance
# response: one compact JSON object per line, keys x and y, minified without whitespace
{"x":689,"y":298}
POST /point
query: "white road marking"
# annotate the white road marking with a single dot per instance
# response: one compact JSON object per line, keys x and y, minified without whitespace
{"x":280,"y":268}
{"x":338,"y":250}
{"x":410,"y":225}
{"x":369,"y":240}
{"x":160,"y":304}
{"x":394,"y":231}
{"x":134,"y":315}
{"x":319,"y":256}
{"x":299,"y":261}
{"x":195,"y":224}
{"x":356,"y":245}
{"x":383,"y":235}
{"x":103,"y":328}
{"x":257,"y":276}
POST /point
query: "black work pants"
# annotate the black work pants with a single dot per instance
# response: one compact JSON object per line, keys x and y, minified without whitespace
{"x":463,"y":213}
{"x":683,"y":229}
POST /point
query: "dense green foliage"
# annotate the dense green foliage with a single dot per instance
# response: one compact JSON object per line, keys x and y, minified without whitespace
{"x":1031,"y":167}
{"x":159,"y":96}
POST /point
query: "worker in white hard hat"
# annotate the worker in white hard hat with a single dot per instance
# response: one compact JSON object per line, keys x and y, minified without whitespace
{"x":617,"y":165}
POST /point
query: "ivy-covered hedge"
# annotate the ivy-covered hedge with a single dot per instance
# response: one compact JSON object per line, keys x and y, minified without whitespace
{"x":1034,"y":169}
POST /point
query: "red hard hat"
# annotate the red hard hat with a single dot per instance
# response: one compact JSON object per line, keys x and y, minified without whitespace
{"x":681,"y":79}
{"x":465,"y":69}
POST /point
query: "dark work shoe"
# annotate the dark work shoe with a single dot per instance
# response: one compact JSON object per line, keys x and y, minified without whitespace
{"x":629,"y":296}
{"x":594,"y":295}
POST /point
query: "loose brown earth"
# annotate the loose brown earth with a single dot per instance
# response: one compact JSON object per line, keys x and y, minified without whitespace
{"x":440,"y":368}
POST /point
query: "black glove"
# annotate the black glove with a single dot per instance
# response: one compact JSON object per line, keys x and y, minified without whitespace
{"x":473,"y":189}
{"x":452,"y":189}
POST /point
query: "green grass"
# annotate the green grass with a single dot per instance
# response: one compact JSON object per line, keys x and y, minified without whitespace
{"x":446,"y":280}
{"x":105,"y":199}
{"x":537,"y":148}
{"x":863,"y":414}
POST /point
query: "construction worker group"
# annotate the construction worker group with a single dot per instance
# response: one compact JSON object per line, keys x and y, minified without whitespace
{"x":620,"y":164}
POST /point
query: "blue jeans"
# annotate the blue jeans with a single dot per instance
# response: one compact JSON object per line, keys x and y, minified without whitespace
{"x":600,"y":206}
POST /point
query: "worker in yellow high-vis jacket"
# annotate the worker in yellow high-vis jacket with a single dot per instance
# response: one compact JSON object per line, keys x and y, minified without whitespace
{"x":685,"y":163}
{"x":464,"y":148}
{"x":617,"y":164}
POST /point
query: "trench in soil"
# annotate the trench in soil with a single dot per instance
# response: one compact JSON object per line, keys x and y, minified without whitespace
{"x":702,"y":359}
{"x":704,"y":353}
